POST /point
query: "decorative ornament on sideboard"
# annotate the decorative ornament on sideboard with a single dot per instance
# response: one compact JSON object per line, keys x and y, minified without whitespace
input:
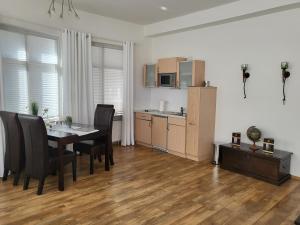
{"x":236,"y":139}
{"x":268,"y":146}
{"x":285,"y":74}
{"x":64,"y":3}
{"x":254,"y":134}
{"x":246,"y":75}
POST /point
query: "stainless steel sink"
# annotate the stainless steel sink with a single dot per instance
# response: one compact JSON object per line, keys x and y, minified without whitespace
{"x":173,"y":113}
{"x":165,"y":112}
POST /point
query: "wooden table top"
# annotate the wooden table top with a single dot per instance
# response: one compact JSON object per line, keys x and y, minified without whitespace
{"x":76,"y":131}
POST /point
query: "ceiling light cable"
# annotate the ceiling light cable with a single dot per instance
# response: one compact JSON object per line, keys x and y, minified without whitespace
{"x":70,"y":5}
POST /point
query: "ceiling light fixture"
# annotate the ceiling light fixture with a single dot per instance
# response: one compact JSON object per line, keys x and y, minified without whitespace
{"x":163,"y":8}
{"x":69,"y":4}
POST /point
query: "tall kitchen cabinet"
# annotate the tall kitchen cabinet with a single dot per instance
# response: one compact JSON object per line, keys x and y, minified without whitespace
{"x":201,"y":113}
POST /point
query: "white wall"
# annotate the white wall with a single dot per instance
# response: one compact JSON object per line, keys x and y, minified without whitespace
{"x":32,"y":14}
{"x":262,"y":42}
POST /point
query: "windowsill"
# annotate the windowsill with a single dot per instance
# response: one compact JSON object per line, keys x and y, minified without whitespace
{"x":118,"y":117}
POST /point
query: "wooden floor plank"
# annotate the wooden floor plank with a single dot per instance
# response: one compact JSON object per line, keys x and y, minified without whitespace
{"x":150,"y":187}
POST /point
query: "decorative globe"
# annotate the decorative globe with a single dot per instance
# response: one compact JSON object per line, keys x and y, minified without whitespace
{"x":254,"y":135}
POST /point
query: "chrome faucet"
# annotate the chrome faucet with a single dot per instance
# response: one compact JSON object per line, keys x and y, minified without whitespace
{"x":181,"y":111}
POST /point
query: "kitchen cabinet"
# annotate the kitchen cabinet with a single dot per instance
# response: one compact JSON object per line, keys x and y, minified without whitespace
{"x":169,"y":65}
{"x":143,"y":129}
{"x":190,"y":73}
{"x":176,"y":136}
{"x":201,"y":113}
{"x":159,"y":132}
{"x":150,"y":75}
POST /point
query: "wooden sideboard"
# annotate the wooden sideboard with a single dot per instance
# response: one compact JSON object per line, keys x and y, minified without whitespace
{"x":273,"y":168}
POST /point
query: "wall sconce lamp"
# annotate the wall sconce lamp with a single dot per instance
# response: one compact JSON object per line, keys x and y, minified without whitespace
{"x":285,"y":74}
{"x":246,"y":75}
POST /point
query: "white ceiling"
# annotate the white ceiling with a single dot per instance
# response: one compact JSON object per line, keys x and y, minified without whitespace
{"x":146,"y":11}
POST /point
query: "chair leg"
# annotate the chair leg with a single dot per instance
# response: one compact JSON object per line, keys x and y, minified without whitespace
{"x":106,"y":158}
{"x":26,"y":182}
{"x":41,"y":186}
{"x":99,"y":157}
{"x":54,"y":172}
{"x":92,"y":162}
{"x":16,"y":178}
{"x":74,"y":166}
{"x":5,"y":175}
{"x":111,"y":157}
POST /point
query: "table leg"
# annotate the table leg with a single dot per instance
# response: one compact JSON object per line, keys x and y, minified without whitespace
{"x":60,"y":149}
{"x":106,"y":156}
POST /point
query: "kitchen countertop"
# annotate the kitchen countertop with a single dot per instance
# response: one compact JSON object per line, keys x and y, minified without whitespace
{"x":164,"y":114}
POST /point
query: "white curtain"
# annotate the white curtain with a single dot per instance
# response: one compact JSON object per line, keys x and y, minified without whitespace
{"x":2,"y":133}
{"x":128,"y":116}
{"x":77,"y":76}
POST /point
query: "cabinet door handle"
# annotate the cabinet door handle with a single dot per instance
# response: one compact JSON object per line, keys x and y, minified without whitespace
{"x":283,"y":167}
{"x":192,"y":124}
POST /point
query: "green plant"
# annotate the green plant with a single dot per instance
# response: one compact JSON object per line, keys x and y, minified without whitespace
{"x":34,"y":108}
{"x":69,"y":121}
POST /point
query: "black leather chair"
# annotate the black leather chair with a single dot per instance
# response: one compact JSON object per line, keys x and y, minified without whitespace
{"x":14,"y":152}
{"x":99,"y":121}
{"x":102,"y":142}
{"x":41,"y":160}
{"x":297,"y":221}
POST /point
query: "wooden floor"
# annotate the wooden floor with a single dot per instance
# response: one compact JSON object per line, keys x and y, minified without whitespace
{"x":149,"y":187}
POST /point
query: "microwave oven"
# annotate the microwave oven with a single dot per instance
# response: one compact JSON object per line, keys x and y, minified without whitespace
{"x":167,"y":79}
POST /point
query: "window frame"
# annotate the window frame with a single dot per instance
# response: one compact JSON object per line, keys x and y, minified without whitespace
{"x":109,"y":46}
{"x":26,"y":33}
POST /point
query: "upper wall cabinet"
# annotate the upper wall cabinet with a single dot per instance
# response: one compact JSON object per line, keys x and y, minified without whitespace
{"x":190,"y":73}
{"x":186,"y":73}
{"x":169,"y":65}
{"x":150,"y":75}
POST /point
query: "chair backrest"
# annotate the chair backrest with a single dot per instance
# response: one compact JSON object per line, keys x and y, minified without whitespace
{"x":14,"y":151}
{"x":36,"y":146}
{"x":104,"y":116}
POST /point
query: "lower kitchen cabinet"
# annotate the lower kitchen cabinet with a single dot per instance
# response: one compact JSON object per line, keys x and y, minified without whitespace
{"x":143,"y":129}
{"x":159,"y":132}
{"x":176,"y":136}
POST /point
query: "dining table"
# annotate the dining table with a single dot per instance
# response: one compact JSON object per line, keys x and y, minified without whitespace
{"x":64,"y":135}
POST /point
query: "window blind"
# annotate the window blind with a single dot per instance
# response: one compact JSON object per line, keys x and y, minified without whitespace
{"x":108,"y":76}
{"x":30,"y":73}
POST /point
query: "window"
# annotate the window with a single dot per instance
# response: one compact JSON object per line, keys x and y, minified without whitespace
{"x":29,"y":71}
{"x":107,"y":64}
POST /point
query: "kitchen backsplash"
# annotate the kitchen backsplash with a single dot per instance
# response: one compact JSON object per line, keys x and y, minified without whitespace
{"x":175,"y":98}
